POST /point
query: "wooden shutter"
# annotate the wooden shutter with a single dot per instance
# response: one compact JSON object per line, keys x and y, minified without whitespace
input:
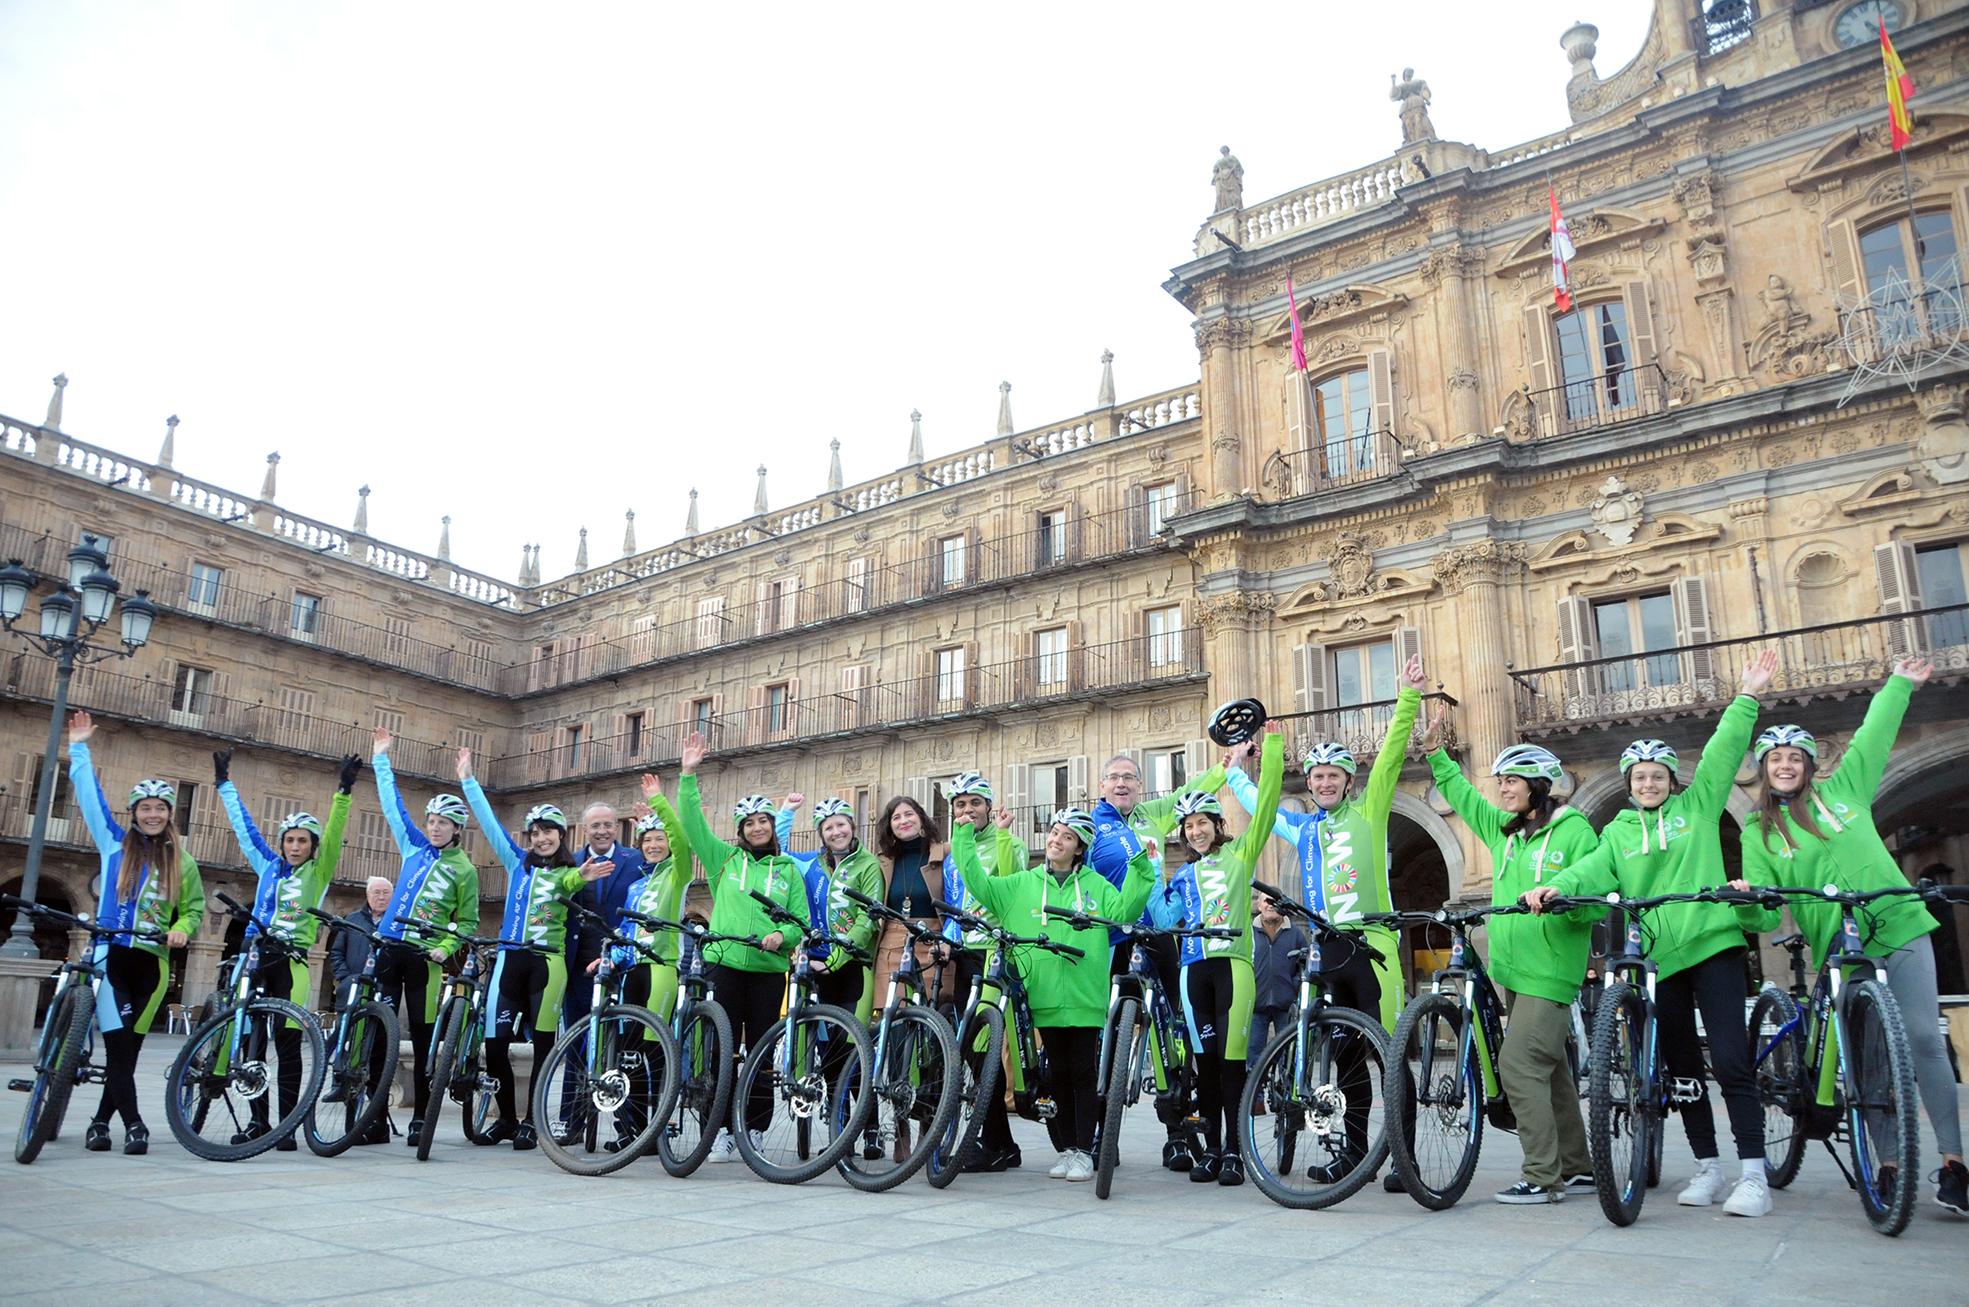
{"x":1182,"y":493}
{"x":1640,"y":324}
{"x":1380,"y":394}
{"x":1408,"y":644}
{"x":849,"y":711}
{"x":1076,"y":783}
{"x":1298,"y":411}
{"x":792,"y":707}
{"x":755,"y":715}
{"x":1843,"y":244}
{"x":789,"y":603}
{"x":1900,"y":592}
{"x":919,"y":789}
{"x":1690,"y":596}
{"x":1309,"y":677}
{"x":1538,"y":353}
{"x":539,"y":754}
{"x":1578,"y":643}
{"x":1017,"y":794}
{"x":763,"y":609}
{"x":1196,"y":758}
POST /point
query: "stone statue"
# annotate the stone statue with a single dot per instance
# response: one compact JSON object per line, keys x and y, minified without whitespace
{"x":1780,"y":315}
{"x":1412,"y":94}
{"x":1227,"y":175}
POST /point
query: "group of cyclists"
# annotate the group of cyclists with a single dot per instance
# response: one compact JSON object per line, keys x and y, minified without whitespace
{"x":765,"y":902}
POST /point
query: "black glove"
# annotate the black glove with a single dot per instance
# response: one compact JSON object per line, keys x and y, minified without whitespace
{"x":222,"y":766}
{"x":351,"y":768}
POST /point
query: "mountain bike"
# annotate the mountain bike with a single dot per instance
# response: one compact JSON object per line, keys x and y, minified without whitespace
{"x":785,"y":1081}
{"x":215,"y":1094}
{"x":1143,"y":1042}
{"x":61,"y":1056}
{"x":361,"y":1059}
{"x":610,"y":1082}
{"x":984,"y":1028}
{"x":703,"y":1033}
{"x":459,"y":1038}
{"x":1319,"y":1137}
{"x":1838,"y":1069}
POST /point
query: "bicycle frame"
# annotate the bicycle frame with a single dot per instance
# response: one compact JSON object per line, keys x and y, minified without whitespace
{"x":1820,"y":1026}
{"x":1483,"y":1036}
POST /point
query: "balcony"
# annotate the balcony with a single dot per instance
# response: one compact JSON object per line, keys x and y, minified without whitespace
{"x":1362,"y":728}
{"x":1094,"y":671}
{"x":1830,"y":661}
{"x":1343,"y":460}
{"x":1584,"y":403}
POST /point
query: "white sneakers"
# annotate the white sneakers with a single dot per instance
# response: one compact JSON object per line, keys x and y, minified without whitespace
{"x":1751,"y":1197}
{"x":757,"y":1138}
{"x":723,"y":1148}
{"x":1059,"y":1169}
{"x":1073,"y":1165}
{"x":1706,"y":1187}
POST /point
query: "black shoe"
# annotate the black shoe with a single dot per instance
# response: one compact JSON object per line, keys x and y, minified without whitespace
{"x":338,"y":1092}
{"x":96,"y":1138}
{"x":871,"y":1146}
{"x":376,"y":1134}
{"x":1332,"y":1172}
{"x":524,"y":1139}
{"x":287,"y":1144}
{"x":253,"y":1130}
{"x":565,"y":1135}
{"x":1230,"y":1169}
{"x":498,"y":1132}
{"x":987,"y":1161}
{"x":1392,"y":1183}
{"x":136,"y":1140}
{"x":1952,"y":1188}
{"x":416,"y":1133}
{"x":1205,"y":1169}
{"x":1176,"y":1155}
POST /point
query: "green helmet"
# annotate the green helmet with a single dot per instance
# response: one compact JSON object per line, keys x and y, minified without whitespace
{"x":832,"y":808}
{"x":306,"y":821}
{"x":1330,"y":754}
{"x":545,"y":814}
{"x":451,"y":808}
{"x":1194,"y":801}
{"x":154,"y":789}
{"x":1529,"y":761}
{"x":1079,"y":821}
{"x":1649,"y":751}
{"x":1795,"y":737}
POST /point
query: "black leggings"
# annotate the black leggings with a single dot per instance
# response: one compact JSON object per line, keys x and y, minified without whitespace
{"x":403,"y":977}
{"x":133,"y":976}
{"x":276,"y":977}
{"x":1351,"y":981}
{"x":1210,"y":994}
{"x":996,"y":1137}
{"x":523,"y":980}
{"x":1718,"y":987}
{"x":752,"y":1000}
{"x":1073,"y":1070}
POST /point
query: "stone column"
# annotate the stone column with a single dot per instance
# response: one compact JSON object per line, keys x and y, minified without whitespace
{"x":1446,"y":269}
{"x":1235,"y":627}
{"x":1215,"y":340}
{"x":1477,"y":576}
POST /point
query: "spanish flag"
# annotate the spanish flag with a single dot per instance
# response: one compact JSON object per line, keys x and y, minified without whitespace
{"x":1900,"y":89}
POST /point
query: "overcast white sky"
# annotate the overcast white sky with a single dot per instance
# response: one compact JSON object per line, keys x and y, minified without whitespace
{"x":531,"y":265}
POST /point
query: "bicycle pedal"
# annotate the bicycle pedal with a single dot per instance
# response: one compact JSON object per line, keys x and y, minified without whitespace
{"x":1684,"y":1089}
{"x":1046,"y":1109}
{"x":20,"y":1086}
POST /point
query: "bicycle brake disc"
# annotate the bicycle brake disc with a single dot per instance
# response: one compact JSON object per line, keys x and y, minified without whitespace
{"x":610,"y":1091}
{"x":250,"y":1080}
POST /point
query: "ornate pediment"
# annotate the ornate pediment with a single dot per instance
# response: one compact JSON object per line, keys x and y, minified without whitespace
{"x":1347,"y":304}
{"x":1895,"y":489}
{"x":1601,"y":229}
{"x":1572,"y":548}
{"x":1871,"y":147}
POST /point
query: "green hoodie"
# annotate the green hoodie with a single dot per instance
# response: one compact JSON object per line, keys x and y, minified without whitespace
{"x":734,"y":874}
{"x":1544,"y":956}
{"x":1676,"y":849}
{"x":1063,"y":991}
{"x":660,"y":891}
{"x":1851,"y":854}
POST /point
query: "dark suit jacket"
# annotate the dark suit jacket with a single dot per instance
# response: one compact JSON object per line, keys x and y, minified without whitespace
{"x":608,"y":896}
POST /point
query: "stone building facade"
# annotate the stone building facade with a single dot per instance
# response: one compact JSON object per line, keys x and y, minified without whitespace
{"x":1584,"y":521}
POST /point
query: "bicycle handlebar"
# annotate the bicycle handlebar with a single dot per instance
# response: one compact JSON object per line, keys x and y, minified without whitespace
{"x":917,"y":931}
{"x":80,"y":921}
{"x":1082,"y":920}
{"x":1001,"y":936}
{"x":809,"y":934}
{"x":476,"y":941}
{"x":334,"y":922}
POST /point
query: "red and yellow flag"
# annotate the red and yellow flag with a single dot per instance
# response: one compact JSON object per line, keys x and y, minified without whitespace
{"x":1900,"y":89}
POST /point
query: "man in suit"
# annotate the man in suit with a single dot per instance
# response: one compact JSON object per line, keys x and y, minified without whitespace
{"x":608,"y":896}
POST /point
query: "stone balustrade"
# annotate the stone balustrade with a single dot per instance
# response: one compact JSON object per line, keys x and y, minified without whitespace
{"x":1321,"y":203}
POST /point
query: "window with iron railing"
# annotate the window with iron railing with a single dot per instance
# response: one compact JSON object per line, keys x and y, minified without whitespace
{"x":191,"y":690}
{"x":1913,"y":279}
{"x":950,"y":675}
{"x":1165,"y":632}
{"x":1053,"y":538}
{"x":306,"y":617}
{"x":202,"y":582}
{"x":1165,"y":501}
{"x":1596,"y":361}
{"x":1943,"y":570}
{"x":1049,"y":791}
{"x":1050,"y":655}
{"x":1637,"y":625}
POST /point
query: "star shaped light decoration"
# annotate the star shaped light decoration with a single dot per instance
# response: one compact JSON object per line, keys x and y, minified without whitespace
{"x":1903,"y":330}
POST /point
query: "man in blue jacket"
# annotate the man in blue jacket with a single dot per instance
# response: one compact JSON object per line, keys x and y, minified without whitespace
{"x":608,"y":896}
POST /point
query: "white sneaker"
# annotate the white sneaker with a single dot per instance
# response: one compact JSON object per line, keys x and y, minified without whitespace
{"x":757,"y":1138}
{"x":1751,"y":1197}
{"x":723,"y":1148}
{"x":1080,"y":1166}
{"x":1059,"y":1171}
{"x":1706,"y":1187}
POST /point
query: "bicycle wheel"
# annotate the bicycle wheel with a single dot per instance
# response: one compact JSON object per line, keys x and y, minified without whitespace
{"x":783,"y":1086}
{"x":610,"y":1102}
{"x":449,"y":1034}
{"x":217,"y":1098}
{"x":981,"y":1058}
{"x":1323,"y":1132}
{"x":915,"y":1091}
{"x":356,"y":1090}
{"x":1620,"y":1117}
{"x":704,"y":1090}
{"x":1882,"y":1128}
{"x":1778,"y":1062}
{"x":1435,"y":1101}
{"x":1124,"y":1030}
{"x":67,"y":1032}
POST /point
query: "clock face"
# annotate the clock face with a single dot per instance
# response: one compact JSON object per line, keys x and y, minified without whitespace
{"x":1860,"y":24}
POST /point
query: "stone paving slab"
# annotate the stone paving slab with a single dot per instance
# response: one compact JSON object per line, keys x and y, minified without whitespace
{"x":490,"y":1226}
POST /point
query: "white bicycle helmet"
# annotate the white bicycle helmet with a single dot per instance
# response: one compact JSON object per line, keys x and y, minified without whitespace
{"x":545,"y":814}
{"x":1330,"y":754}
{"x":154,"y":789}
{"x":1529,"y":761}
{"x":1649,"y":751}
{"x":1796,"y":737}
{"x":451,"y":808}
{"x":832,"y":808}
{"x":306,"y":821}
{"x":751,"y":806}
{"x":970,"y":782}
{"x":1195,"y":801}
{"x":1079,"y":821}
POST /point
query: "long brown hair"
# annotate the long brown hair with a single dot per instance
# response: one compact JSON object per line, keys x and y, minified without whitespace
{"x":163,"y":854}
{"x":1543,"y":805}
{"x":886,"y":843}
{"x":1770,"y":803}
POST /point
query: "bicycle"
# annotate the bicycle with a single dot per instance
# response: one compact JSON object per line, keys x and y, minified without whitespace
{"x":459,"y":1037}
{"x":983,"y":1031}
{"x":1317,"y":1081}
{"x":915,"y":1077}
{"x":703,"y":1033}
{"x":1838,"y":1069}
{"x":361,"y":1057}
{"x":1141,"y":1025}
{"x":792,"y":1063}
{"x":224,"y":1063}
{"x":611,"y":1080}
{"x":61,"y":1057}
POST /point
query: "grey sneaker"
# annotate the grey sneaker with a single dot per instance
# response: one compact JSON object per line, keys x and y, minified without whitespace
{"x":1578,"y":1184}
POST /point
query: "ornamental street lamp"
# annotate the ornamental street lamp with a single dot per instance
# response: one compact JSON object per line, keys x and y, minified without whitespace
{"x":71,"y":614}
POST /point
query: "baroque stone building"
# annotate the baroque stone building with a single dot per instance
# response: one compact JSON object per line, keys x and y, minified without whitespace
{"x":1585,"y":521}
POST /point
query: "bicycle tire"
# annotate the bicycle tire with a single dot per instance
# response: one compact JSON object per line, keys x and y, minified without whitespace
{"x":981,"y":1070}
{"x":1284,"y":1103}
{"x":705,"y":1095}
{"x":1124,"y":1029}
{"x":807,"y":1101}
{"x":1778,"y":1066}
{"x":187,"y":1112}
{"x":1657,"y":1147}
{"x":444,"y":1056}
{"x":47,"y":1101}
{"x":1880,"y":1104}
{"x":374,"y":1028}
{"x":1455,"y":1099}
{"x":902,"y":1100}
{"x":1621,"y":1115}
{"x":624,"y":1067}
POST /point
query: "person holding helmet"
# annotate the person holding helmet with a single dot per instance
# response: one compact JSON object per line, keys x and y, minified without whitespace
{"x":749,"y":983}
{"x":1069,"y":996}
{"x":149,"y":889}
{"x":293,"y":877}
{"x":437,"y":886}
{"x":1213,"y":889}
{"x":1540,"y":961}
{"x":527,"y":986}
{"x":1669,"y":842}
{"x":1811,"y":830}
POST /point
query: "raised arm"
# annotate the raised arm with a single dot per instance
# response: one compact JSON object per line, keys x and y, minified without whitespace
{"x":409,"y":839}
{"x":989,"y":891}
{"x":713,"y":854}
{"x":88,"y":787}
{"x":681,"y":852}
{"x":1866,"y":756}
{"x":336,"y":827}
{"x":1162,"y":812}
{"x":1716,"y":770}
{"x":1478,"y":813}
{"x":508,"y":851}
{"x":1379,"y":796}
{"x":1264,"y":815}
{"x":251,"y":842}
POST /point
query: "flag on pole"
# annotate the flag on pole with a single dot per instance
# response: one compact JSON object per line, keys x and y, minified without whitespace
{"x":1900,"y":89}
{"x":1562,"y":252}
{"x":1298,"y":335}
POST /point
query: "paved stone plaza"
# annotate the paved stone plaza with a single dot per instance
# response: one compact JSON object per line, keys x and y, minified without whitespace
{"x":483,"y":1226}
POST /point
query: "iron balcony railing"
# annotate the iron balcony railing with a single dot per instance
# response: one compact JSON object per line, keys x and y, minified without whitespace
{"x":1813,"y":661}
{"x":1920,"y":321}
{"x":1363,"y":727}
{"x":1342,"y":460}
{"x":1617,"y":395}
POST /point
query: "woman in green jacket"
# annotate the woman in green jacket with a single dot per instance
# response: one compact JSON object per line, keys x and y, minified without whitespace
{"x":1540,"y":961}
{"x":668,"y":868}
{"x":1670,"y":842}
{"x":1811,"y":831}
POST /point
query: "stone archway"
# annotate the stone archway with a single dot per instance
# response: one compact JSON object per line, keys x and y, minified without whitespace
{"x":1922,"y":810}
